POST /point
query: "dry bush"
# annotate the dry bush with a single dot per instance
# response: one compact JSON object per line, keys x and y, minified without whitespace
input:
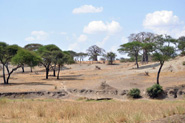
{"x":146,"y":73}
{"x":3,"y":101}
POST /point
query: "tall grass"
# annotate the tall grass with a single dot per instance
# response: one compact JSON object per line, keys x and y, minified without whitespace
{"x":58,"y":111}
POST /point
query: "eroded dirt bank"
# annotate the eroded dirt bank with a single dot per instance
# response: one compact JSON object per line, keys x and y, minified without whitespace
{"x":104,"y":91}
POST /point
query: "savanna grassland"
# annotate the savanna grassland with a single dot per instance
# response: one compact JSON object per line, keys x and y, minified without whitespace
{"x":83,"y":111}
{"x":76,"y":109}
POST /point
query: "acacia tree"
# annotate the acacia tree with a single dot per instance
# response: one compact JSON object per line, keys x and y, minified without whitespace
{"x":81,"y":55}
{"x":95,"y":51}
{"x":47,"y":54}
{"x":7,"y":52}
{"x":70,"y":57}
{"x":110,"y":57}
{"x":169,"y":40}
{"x":62,"y":58}
{"x":54,"y":60}
{"x":181,"y":44}
{"x":73,"y":54}
{"x":32,"y":46}
{"x":26,"y":57}
{"x":12,"y":54}
{"x":163,"y":53}
{"x":132,"y":48}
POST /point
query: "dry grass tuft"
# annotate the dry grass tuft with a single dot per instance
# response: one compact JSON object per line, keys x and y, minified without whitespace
{"x":3,"y":101}
{"x":56,"y":111}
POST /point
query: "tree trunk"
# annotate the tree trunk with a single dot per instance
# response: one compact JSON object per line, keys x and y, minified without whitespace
{"x":7,"y":68}
{"x":7,"y":80}
{"x":4,"y":76}
{"x":58,"y":72}
{"x":54,"y":74}
{"x":147,"y":57}
{"x":111,"y":60}
{"x":137,"y":61}
{"x":159,"y":72}
{"x":95,"y":58}
{"x":31,"y":69}
{"x":143,"y":57}
{"x":9,"y":74}
{"x":47,"y":72}
{"x":23,"y":68}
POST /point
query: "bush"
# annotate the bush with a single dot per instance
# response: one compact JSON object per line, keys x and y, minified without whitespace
{"x":182,"y":53}
{"x":134,"y":93}
{"x":124,"y":60}
{"x":155,"y":90}
{"x":3,"y":101}
{"x":183,"y":63}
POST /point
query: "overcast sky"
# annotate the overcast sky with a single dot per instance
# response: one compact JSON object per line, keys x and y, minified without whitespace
{"x":78,"y":24}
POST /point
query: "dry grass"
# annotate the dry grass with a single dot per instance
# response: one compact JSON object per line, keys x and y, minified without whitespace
{"x":58,"y":111}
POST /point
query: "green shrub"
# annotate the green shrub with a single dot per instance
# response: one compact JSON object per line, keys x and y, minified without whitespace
{"x":124,"y":60}
{"x":155,"y":90}
{"x":182,"y":53}
{"x":183,"y":63}
{"x":134,"y":93}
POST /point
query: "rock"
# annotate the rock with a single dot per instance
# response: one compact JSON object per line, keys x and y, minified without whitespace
{"x":97,"y":68}
{"x":123,"y":92}
{"x":172,"y":93}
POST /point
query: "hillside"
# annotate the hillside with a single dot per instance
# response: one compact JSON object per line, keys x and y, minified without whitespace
{"x":80,"y":79}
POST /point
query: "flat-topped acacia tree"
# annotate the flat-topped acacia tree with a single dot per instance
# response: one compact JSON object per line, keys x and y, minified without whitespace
{"x":132,"y":48}
{"x":33,"y":46}
{"x":162,"y":53}
{"x":25,"y":57}
{"x":16,"y":56}
{"x":181,"y":44}
{"x":7,"y":52}
{"x":47,"y":54}
{"x":81,"y":56}
{"x":61,"y":59}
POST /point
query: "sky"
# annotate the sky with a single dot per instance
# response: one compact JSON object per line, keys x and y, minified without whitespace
{"x":78,"y":24}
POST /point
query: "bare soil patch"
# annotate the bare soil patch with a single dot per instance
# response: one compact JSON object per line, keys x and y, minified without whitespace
{"x":84,"y":79}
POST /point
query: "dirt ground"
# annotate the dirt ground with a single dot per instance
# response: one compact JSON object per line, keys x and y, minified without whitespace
{"x":171,"y":119}
{"x":86,"y":76}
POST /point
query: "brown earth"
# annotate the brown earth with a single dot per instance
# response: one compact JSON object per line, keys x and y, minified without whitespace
{"x":171,"y":119}
{"x":85,"y":79}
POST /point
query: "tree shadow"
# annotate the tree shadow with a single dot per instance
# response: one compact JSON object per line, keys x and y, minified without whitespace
{"x":61,"y":78}
{"x":149,"y":66}
{"x":29,"y":83}
{"x":113,"y":64}
{"x":25,"y":72}
{"x":71,"y":75}
{"x":65,"y":77}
